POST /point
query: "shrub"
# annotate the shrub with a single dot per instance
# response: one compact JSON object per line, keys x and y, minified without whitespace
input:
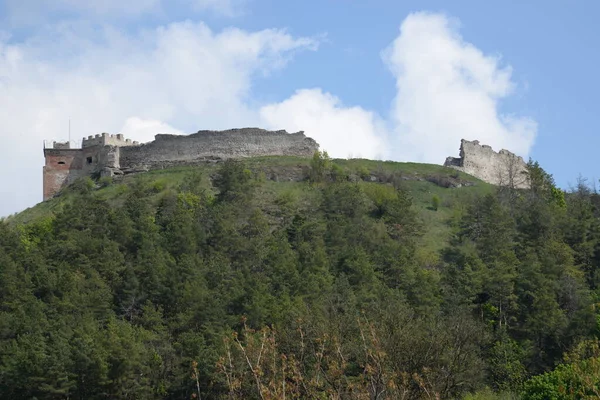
{"x":338,"y":174}
{"x":319,"y":165}
{"x":435,"y":202}
{"x":363,"y":172}
{"x":83,"y":185}
{"x":159,"y":186}
{"x":105,"y":181}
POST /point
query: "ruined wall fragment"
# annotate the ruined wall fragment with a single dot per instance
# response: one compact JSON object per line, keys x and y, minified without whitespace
{"x":168,"y":150}
{"x":501,"y":168}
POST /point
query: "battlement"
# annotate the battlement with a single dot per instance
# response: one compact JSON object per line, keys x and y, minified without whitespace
{"x":502,"y":168}
{"x":107,"y":155}
{"x":61,"y":145}
{"x":106,"y":139}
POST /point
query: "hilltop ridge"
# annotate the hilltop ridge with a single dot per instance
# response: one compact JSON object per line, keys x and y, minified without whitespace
{"x":108,"y":155}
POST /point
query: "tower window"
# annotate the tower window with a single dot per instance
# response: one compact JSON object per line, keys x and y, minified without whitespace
{"x":89,"y":160}
{"x":61,"y":163}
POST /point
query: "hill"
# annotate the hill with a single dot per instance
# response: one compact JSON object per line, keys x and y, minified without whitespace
{"x":288,"y":176}
{"x":284,"y":277}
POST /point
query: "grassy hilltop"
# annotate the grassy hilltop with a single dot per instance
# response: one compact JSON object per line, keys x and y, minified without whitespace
{"x":288,"y":177}
{"x":285,"y":277}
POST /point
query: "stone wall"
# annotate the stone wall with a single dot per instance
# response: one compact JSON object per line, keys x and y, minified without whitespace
{"x":106,"y":139}
{"x":108,"y":155}
{"x":503,"y":168}
{"x":57,"y":169}
{"x":167,"y":150}
{"x":64,"y":165}
{"x":61,"y":145}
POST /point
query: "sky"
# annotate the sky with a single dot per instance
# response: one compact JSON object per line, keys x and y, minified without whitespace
{"x":391,"y":80}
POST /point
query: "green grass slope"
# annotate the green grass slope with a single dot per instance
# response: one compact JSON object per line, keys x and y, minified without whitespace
{"x":286,"y":177}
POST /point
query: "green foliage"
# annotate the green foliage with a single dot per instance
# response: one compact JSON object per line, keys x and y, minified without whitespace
{"x":32,"y":235}
{"x":122,"y":189}
{"x":161,"y":285}
{"x":105,"y":181}
{"x":558,"y":196}
{"x":507,"y":371}
{"x":319,"y":166}
{"x":82,"y":186}
{"x":542,"y":184}
{"x":234,"y":181}
{"x":338,"y":174}
{"x":578,"y":377}
{"x":435,"y":202}
{"x":363,"y":172}
{"x":488,"y":394}
{"x":159,"y":185}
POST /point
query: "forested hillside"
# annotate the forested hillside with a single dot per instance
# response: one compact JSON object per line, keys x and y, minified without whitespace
{"x":359,"y":280}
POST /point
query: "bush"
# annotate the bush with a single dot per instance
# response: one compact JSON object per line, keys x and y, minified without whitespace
{"x":435,"y":202}
{"x":122,"y":189}
{"x":159,"y":186}
{"x":319,"y":165}
{"x":82,"y":185}
{"x":338,"y":174}
{"x":364,"y":172}
{"x":105,"y":181}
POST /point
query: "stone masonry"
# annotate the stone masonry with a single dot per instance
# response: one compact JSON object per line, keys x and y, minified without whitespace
{"x":503,"y":168}
{"x":107,"y":140}
{"x":108,"y":155}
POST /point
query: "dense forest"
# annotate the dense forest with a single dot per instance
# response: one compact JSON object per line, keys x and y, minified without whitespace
{"x":218,"y":287}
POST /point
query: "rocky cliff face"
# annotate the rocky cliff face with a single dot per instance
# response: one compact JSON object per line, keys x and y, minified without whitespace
{"x":502,"y":168}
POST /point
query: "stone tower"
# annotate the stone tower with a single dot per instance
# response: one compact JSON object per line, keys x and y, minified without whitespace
{"x":63,"y":165}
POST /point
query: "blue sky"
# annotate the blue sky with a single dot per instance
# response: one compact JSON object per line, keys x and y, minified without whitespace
{"x":400,"y":80}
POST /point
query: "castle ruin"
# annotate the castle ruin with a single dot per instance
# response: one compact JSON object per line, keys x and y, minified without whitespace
{"x":502,"y":169}
{"x":108,"y":155}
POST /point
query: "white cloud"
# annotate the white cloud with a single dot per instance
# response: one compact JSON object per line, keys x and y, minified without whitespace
{"x":448,"y":90}
{"x":181,"y":75}
{"x":144,"y":130}
{"x":341,"y":131}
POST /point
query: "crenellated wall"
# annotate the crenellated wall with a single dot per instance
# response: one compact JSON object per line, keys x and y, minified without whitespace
{"x":107,"y":155}
{"x":502,"y":168}
{"x":106,"y":139}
